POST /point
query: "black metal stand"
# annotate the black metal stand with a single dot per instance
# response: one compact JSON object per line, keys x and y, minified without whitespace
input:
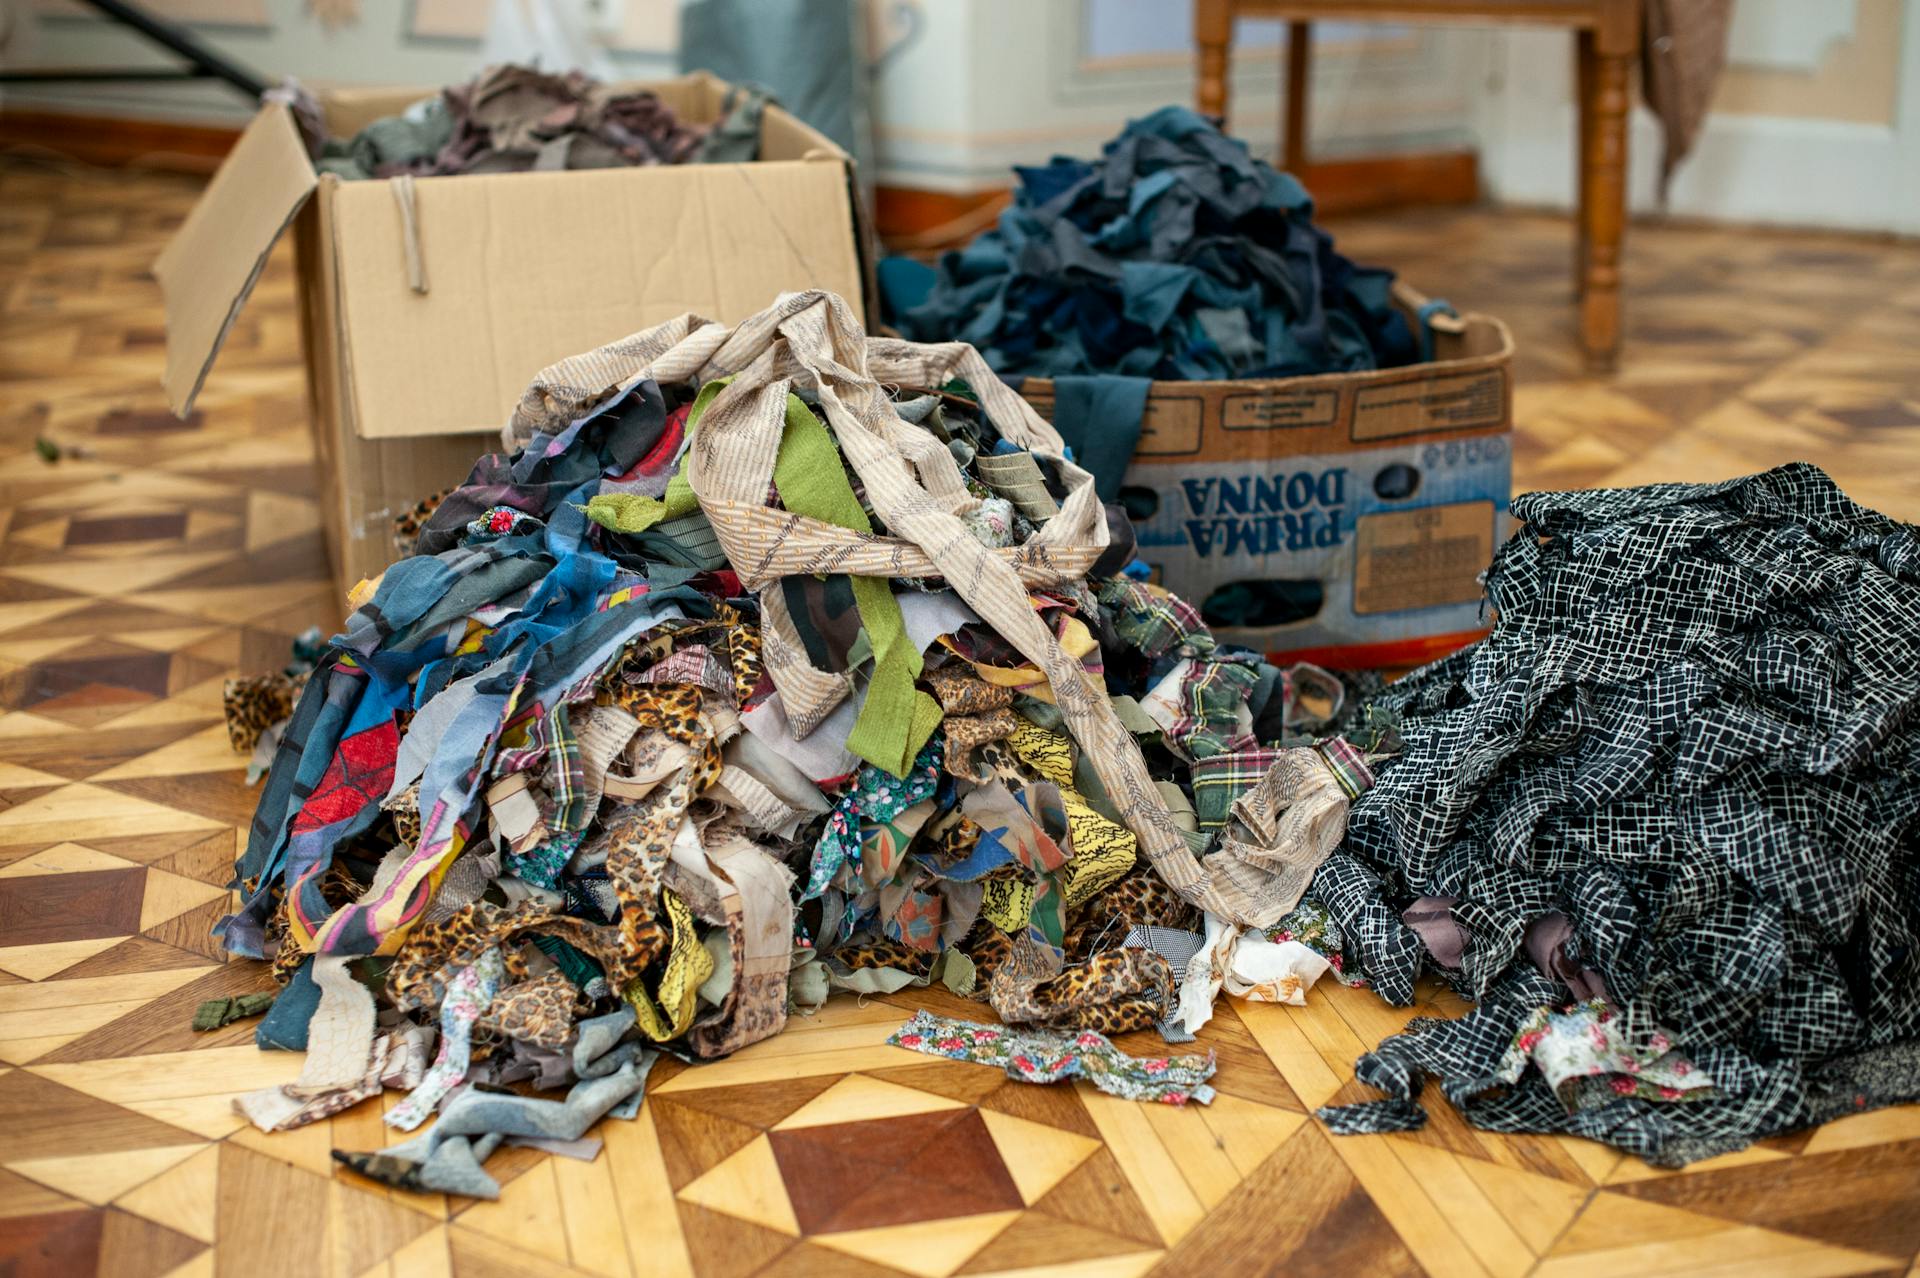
{"x":203,"y":62}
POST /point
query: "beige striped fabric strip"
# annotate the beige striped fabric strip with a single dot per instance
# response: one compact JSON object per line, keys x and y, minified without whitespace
{"x":812,"y":343}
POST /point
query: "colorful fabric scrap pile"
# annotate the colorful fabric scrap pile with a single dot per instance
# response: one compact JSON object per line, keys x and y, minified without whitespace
{"x":771,"y":661}
{"x":775,"y":661}
{"x":515,"y":119}
{"x":1662,"y":826}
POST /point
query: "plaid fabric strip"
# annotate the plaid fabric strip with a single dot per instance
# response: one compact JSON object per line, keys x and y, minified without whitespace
{"x":552,"y":743}
{"x":533,"y":747}
{"x":1152,"y":620}
{"x":1212,"y":697}
{"x":1349,"y":765}
{"x":1219,"y":780}
{"x":566,"y":775}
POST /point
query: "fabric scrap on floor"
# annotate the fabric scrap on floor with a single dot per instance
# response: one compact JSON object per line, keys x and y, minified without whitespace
{"x":1037,"y":1056}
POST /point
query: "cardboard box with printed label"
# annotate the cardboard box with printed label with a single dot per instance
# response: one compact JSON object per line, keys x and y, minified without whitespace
{"x":1346,"y":517}
{"x":426,"y":312}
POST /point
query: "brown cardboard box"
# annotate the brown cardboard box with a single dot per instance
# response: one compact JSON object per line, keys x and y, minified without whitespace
{"x":1383,"y":492}
{"x":407,"y":388}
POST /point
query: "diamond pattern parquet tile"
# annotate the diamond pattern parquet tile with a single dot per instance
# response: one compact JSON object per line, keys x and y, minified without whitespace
{"x":893,"y":1171}
{"x":137,"y":576}
{"x":37,"y":909}
{"x":76,"y":756}
{"x":64,"y":1242}
{"x":44,"y":1119}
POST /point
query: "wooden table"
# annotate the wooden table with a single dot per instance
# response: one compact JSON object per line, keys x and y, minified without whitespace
{"x":1607,"y":40}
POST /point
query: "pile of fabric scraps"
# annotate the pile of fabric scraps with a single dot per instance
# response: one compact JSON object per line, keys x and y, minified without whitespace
{"x":1662,"y":826}
{"x":512,"y":119}
{"x":1176,"y":256}
{"x":672,"y":725}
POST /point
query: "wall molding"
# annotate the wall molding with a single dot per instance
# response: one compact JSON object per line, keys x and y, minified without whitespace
{"x":118,"y":141}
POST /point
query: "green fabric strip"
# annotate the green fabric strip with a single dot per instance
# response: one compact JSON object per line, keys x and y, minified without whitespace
{"x":216,"y":1013}
{"x":635,"y":512}
{"x":896,"y":719}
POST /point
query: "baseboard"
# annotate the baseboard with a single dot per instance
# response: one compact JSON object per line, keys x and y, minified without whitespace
{"x":118,"y":141}
{"x":914,"y":221}
{"x":904,"y":217}
{"x":909,"y":220}
{"x":1367,"y":183}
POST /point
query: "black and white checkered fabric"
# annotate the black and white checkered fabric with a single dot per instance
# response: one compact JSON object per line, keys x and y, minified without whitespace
{"x":1695,"y":729}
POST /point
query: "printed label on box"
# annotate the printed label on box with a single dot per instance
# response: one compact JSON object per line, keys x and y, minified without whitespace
{"x":1421,"y":558}
{"x":1265,"y":412}
{"x":1171,"y":424}
{"x":1396,"y":535}
{"x":1462,"y":401}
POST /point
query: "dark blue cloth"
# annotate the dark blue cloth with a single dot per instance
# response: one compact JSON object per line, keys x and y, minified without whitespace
{"x":284,"y":1027}
{"x":1099,"y":418}
{"x":1176,"y":256}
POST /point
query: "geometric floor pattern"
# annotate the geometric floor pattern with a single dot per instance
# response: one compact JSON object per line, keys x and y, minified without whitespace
{"x":158,"y":556}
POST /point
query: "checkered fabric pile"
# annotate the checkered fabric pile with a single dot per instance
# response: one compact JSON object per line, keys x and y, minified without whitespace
{"x":1695,"y":732}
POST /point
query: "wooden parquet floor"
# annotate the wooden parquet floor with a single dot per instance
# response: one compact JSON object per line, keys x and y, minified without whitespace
{"x":135,"y":575}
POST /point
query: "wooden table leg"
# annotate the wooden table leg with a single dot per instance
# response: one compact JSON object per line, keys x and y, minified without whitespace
{"x":1603,"y":199}
{"x":1293,"y":150}
{"x":1213,"y":36}
{"x":1582,"y":94}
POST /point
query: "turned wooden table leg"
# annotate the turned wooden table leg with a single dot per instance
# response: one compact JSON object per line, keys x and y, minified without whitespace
{"x":1603,"y":199}
{"x":1582,"y":98}
{"x":1213,"y":36}
{"x":1293,"y":149}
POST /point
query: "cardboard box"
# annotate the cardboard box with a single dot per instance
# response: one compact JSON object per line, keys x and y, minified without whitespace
{"x":1383,"y":493}
{"x":407,"y":387}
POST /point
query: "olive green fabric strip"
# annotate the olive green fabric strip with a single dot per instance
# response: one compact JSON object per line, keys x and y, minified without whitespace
{"x":896,"y":719}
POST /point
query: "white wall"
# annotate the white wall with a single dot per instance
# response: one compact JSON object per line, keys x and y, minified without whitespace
{"x":389,"y":42}
{"x":974,"y":86}
{"x":1817,"y":121}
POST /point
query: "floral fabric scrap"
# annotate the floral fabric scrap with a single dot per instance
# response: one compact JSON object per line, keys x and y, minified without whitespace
{"x":1587,"y":1057}
{"x":1042,"y":1056}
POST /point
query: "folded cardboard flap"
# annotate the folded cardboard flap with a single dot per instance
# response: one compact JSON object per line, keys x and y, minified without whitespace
{"x":528,"y":268}
{"x":523,"y":271}
{"x":209,"y":268}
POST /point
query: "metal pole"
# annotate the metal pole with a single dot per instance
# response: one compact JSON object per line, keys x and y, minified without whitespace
{"x":208,"y":60}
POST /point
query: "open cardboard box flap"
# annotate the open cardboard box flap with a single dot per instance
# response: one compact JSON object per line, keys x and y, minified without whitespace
{"x":520,"y":269}
{"x":524,"y":269}
{"x":209,"y":267}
